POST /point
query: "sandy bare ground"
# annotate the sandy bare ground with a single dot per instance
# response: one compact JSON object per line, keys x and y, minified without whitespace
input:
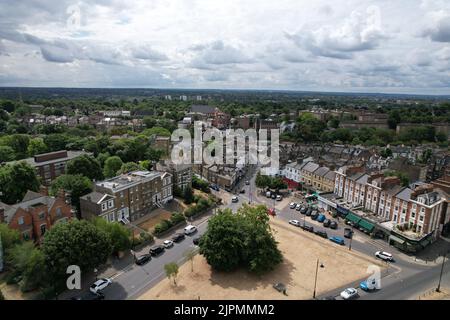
{"x":444,"y":294}
{"x":157,"y":216}
{"x":300,"y":250}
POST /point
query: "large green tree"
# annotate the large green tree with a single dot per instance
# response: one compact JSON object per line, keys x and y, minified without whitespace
{"x":6,"y":154}
{"x":37,"y":146}
{"x":8,"y":236}
{"x":112,"y":165}
{"x":118,"y":233}
{"x":85,"y":165}
{"x":78,"y":242}
{"x":238,"y":240}
{"x":15,"y":180}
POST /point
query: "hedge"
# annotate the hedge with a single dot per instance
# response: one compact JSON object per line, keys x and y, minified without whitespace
{"x":202,"y":206}
{"x":165,"y":225}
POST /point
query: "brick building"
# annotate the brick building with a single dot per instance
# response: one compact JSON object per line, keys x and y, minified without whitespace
{"x":36,"y":214}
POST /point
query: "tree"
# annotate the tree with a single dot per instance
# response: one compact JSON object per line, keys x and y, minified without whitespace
{"x":156,"y":131}
{"x":112,"y":165}
{"x":15,"y":180}
{"x":118,"y":234}
{"x":171,"y":271}
{"x":129,"y":167}
{"x":77,"y":185}
{"x":56,"y":141}
{"x":262,"y":181}
{"x":238,"y":240}
{"x":28,"y":266}
{"x":19,"y":143}
{"x":190,"y":255}
{"x":37,"y":146}
{"x":6,"y":154}
{"x":394,"y":118}
{"x":85,"y":165}
{"x":77,"y":242}
{"x":8,"y":236}
{"x":188,"y":195}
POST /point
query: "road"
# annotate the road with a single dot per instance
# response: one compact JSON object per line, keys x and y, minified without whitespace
{"x":403,"y":279}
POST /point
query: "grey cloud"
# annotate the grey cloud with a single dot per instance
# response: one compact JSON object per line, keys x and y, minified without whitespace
{"x":440,"y":32}
{"x":217,"y":53}
{"x":56,"y":54}
{"x":147,"y":53}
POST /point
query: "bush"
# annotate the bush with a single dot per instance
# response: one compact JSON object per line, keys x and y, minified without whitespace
{"x":165,"y":225}
{"x":202,"y":206}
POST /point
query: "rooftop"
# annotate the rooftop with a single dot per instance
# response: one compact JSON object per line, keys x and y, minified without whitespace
{"x":129,"y":179}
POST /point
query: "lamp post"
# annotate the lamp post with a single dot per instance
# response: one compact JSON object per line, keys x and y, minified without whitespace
{"x":438,"y":289}
{"x":315,"y":280}
{"x":351,"y":238}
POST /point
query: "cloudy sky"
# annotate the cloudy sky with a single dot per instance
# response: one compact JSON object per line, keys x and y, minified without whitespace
{"x":341,"y":45}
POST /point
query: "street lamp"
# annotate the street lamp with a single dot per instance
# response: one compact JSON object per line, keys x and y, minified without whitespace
{"x":351,"y":238}
{"x":315,"y":281}
{"x":438,"y":289}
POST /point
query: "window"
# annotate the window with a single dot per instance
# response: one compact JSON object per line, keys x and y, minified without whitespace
{"x":421,"y":218}
{"x":41,"y":216}
{"x":43,"y":229}
{"x":110,"y":203}
{"x":26,"y":236}
{"x":58,"y":212}
{"x":20,"y":221}
{"x":104,"y":206}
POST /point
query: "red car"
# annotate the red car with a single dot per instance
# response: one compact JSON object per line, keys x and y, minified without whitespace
{"x":271,"y":212}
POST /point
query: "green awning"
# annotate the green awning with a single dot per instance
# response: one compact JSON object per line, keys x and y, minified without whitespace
{"x":366,"y":225}
{"x":396,"y":239}
{"x":352,"y":218}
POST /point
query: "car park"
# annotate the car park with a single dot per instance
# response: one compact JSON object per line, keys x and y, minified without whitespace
{"x":178,"y":237}
{"x":168,"y":244}
{"x":156,"y":250}
{"x":348,"y":233}
{"x":234,"y":199}
{"x":349,"y":293}
{"x":321,"y":233}
{"x":333,"y":225}
{"x":337,"y":240}
{"x":326,"y":223}
{"x":295,"y":223}
{"x":385,"y":256}
{"x":292,"y":205}
{"x":100,"y":285}
{"x":142,"y":259}
{"x":190,"y":229}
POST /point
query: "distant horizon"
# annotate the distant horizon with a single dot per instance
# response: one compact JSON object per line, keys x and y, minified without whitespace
{"x":312,"y":91}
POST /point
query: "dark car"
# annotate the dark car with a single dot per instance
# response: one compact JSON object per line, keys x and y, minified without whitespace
{"x":154,"y":251}
{"x":333,"y":225}
{"x":348,"y":233}
{"x":214,"y":187}
{"x":327,"y":223}
{"x":303,"y":210}
{"x":178,"y":237}
{"x":273,"y":196}
{"x":90,"y":296}
{"x":143,"y":259}
{"x":322,"y":234}
{"x":308,"y":228}
{"x":196,"y":240}
{"x":242,"y":191}
{"x":308,"y":212}
{"x":314,"y":215}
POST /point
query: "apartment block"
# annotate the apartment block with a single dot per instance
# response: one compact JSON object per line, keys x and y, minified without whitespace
{"x":128,"y":197}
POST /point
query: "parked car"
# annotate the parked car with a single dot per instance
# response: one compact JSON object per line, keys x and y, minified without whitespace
{"x":168,"y":244}
{"x":326,"y":223}
{"x":307,"y":228}
{"x":196,"y":240}
{"x":214,"y":187}
{"x":295,"y":223}
{"x":368,"y":285}
{"x":292,"y":205}
{"x":303,"y":209}
{"x":298,"y":207}
{"x":178,"y":237}
{"x":333,"y":225}
{"x":143,"y":259}
{"x":308,"y":212}
{"x":273,"y":196}
{"x":234,"y":199}
{"x":99,"y":285}
{"x":349,"y":293}
{"x":242,"y":191}
{"x":90,"y":296}
{"x":386,"y":256}
{"x":314,"y":215}
{"x":271,"y":212}
{"x":337,"y":240}
{"x":247,"y":182}
{"x":322,"y":234}
{"x":154,"y":251}
{"x":190,"y":229}
{"x":348,"y":233}
{"x":268,"y":194}
{"x":279,"y":198}
{"x":321,"y":218}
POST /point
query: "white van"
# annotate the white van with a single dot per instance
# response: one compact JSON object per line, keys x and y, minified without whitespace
{"x":190,"y":229}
